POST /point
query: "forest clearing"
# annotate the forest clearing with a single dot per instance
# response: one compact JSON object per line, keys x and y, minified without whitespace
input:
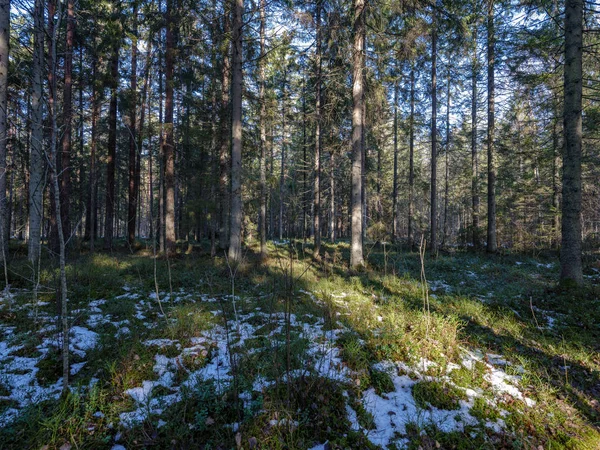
{"x":299,"y":224}
{"x":305,"y":355}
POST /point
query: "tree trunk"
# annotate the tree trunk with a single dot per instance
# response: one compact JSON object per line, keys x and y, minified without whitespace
{"x":65,"y":175}
{"x":4,"y":49}
{"x":395,"y":180}
{"x":492,"y":245}
{"x":112,"y":149}
{"x":36,"y":159}
{"x":283,"y":144}
{"x":356,"y":249}
{"x":168,"y":141}
{"x":474,"y":167}
{"x":133,"y":151}
{"x":332,"y":198}
{"x":224,"y":154}
{"x":411,"y":158}
{"x":570,"y":254}
{"x":93,"y":193}
{"x":235,"y":231}
{"x":263,"y":136}
{"x":433,"y":238}
{"x":317,"y":166}
{"x":447,"y":166}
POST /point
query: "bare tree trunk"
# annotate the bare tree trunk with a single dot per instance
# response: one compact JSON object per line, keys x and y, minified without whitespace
{"x":492,"y":245}
{"x":4,"y":49}
{"x":168,"y":141}
{"x":36,"y":159}
{"x":52,"y":159}
{"x":555,"y":184}
{"x":93,"y":198}
{"x":447,"y":167}
{"x":332,"y":198}
{"x":356,"y":250}
{"x":570,"y":253}
{"x":263,"y":136}
{"x":395,"y":180}
{"x":474,"y":170}
{"x":224,"y":154}
{"x":133,"y":151}
{"x":411,"y":158}
{"x":65,"y":176}
{"x":112,"y":148}
{"x":317,"y":166}
{"x":283,"y":148}
{"x":235,"y":236}
{"x":433,"y":239}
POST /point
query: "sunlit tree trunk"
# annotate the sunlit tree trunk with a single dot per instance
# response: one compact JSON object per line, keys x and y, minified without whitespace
{"x":395,"y":180}
{"x":356,"y":249}
{"x":411,"y":159}
{"x":570,"y":253}
{"x":433,"y":221}
{"x":235,"y":236}
{"x":492,"y":245}
{"x":263,"y":136}
{"x":225,"y":119}
{"x":474,"y":167}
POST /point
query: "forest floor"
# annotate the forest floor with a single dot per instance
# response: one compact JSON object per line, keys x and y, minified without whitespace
{"x":301,"y":354}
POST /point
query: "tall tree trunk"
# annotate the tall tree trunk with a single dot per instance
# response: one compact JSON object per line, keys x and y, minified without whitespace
{"x":263,"y":136}
{"x":356,"y":249}
{"x":317,"y":165}
{"x":36,"y":158}
{"x":168,"y":141}
{"x":433,"y":238}
{"x":112,"y":148}
{"x":570,"y":253}
{"x":52,"y":158}
{"x":93,"y":193}
{"x":4,"y":49}
{"x":555,"y":240}
{"x":235,"y":231}
{"x":283,"y":148}
{"x":474,"y":166}
{"x":133,"y":151}
{"x":411,"y":159}
{"x":67,"y":140}
{"x":492,"y":245}
{"x":395,"y":180}
{"x":224,"y":154}
{"x":332,"y":198}
{"x":447,"y":166}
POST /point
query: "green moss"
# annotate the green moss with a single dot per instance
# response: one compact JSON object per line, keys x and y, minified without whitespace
{"x":437,"y":394}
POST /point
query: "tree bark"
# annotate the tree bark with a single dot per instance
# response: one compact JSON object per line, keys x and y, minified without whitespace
{"x":67,"y":140}
{"x":168,"y":141}
{"x":492,"y":245}
{"x":356,"y":249}
{"x":474,"y":167}
{"x":235,"y":231}
{"x":411,"y":158}
{"x":224,"y":154}
{"x":317,"y":164}
{"x":263,"y":136}
{"x":4,"y":49}
{"x":112,"y":149}
{"x":133,"y":150}
{"x":570,"y":254}
{"x":36,"y":160}
{"x":395,"y":180}
{"x":433,"y":239}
